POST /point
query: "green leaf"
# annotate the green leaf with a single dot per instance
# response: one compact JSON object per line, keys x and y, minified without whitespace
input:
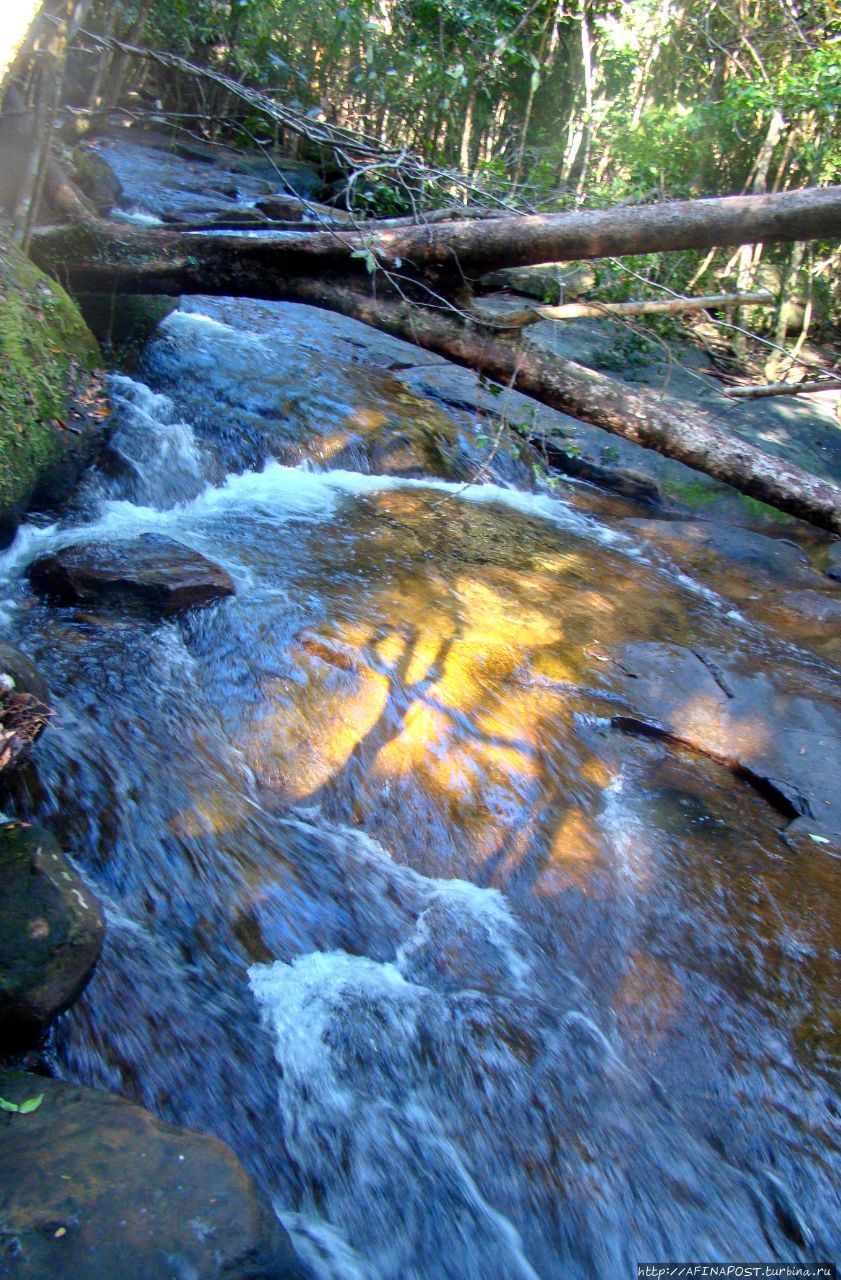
{"x":368,"y":257}
{"x":818,"y":839}
{"x":31,"y":1104}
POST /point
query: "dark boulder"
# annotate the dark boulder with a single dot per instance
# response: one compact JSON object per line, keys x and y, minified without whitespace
{"x":51,"y":932}
{"x":159,"y":575}
{"x":95,"y":177}
{"x":92,"y":1186}
{"x":785,"y":740}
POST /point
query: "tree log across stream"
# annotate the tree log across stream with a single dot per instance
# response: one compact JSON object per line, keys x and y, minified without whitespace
{"x":331,"y":269}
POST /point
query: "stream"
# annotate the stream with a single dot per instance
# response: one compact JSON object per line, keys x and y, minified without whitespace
{"x":475,"y":983}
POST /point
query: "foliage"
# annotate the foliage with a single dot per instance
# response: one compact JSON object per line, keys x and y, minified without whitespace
{"x":25,"y":1108}
{"x":573,"y":102}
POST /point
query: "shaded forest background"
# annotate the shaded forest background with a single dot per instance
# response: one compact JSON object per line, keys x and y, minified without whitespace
{"x":549,"y":105}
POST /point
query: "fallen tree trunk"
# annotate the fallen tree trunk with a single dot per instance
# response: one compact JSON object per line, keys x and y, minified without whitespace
{"x":662,"y":423}
{"x":649,"y":307}
{"x":521,"y":319}
{"x":103,"y":256}
{"x":784,"y":389}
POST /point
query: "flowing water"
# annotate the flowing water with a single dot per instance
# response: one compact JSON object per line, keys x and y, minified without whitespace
{"x":474,"y":983}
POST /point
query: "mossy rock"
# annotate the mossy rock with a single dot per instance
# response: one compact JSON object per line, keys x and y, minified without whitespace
{"x":47,"y":357}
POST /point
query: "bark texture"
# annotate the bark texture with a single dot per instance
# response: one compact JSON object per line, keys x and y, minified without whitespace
{"x":108,"y":257}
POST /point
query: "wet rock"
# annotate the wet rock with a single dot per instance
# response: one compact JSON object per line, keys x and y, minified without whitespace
{"x":573,"y":447}
{"x":94,"y":1186}
{"x":834,"y":562}
{"x":550,"y":282}
{"x":240,"y":219}
{"x":97,"y":179}
{"x":27,"y":677}
{"x":702,"y":543}
{"x":786,"y":741}
{"x":806,"y":835}
{"x":156,"y":573}
{"x":814,"y":606}
{"x":294,"y":209}
{"x":51,"y":932}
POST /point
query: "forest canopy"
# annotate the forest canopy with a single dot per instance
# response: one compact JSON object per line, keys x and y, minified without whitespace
{"x":551,"y":104}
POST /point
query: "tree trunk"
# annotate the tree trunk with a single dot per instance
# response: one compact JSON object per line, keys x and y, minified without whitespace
{"x":166,"y":262}
{"x":103,"y":257}
{"x":51,"y":50}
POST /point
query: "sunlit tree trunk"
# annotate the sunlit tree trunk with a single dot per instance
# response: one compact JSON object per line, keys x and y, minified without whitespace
{"x":465,"y":150}
{"x":50,"y":53}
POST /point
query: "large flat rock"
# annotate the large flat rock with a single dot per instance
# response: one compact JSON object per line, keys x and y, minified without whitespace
{"x":774,"y":562}
{"x":785,"y":740}
{"x":93,"y":1187}
{"x":51,"y":932}
{"x":162,"y":576}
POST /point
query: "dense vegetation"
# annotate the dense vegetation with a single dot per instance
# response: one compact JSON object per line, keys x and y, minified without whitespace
{"x":554,"y":102}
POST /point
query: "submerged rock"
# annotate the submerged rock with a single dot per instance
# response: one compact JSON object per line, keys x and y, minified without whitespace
{"x":92,"y":1186}
{"x":51,"y":932}
{"x":783,"y":740}
{"x":702,"y":543}
{"x":154,"y":572}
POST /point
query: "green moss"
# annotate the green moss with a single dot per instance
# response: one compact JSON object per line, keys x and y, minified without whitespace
{"x":761,"y":510}
{"x":704,"y":493}
{"x":694,"y":493}
{"x":45,"y":346}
